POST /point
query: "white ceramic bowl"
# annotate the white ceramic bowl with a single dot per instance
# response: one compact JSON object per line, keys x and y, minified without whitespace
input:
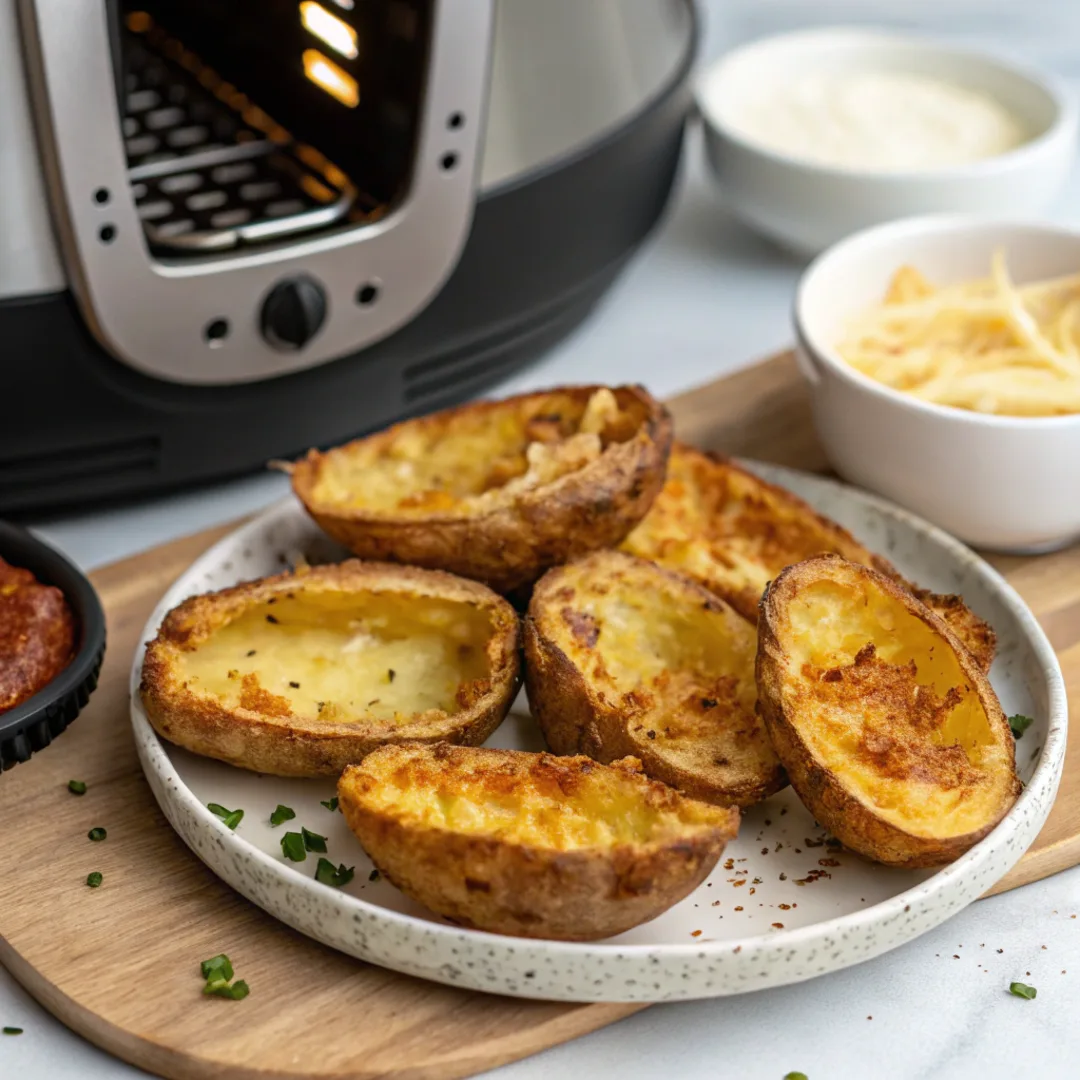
{"x":999,"y":482}
{"x":806,"y":206}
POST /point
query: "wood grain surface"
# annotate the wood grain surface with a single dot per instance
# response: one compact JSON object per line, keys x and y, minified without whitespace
{"x":119,"y":964}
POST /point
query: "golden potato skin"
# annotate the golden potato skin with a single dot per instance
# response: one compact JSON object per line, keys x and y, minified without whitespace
{"x":281,"y":744}
{"x":711,"y":509}
{"x":825,"y":794}
{"x":719,"y":751}
{"x":487,"y":882}
{"x":508,"y":546}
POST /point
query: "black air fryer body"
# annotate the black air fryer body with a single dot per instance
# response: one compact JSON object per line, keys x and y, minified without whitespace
{"x":81,"y":423}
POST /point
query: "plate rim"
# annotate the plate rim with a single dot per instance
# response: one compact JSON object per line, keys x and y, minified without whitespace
{"x":1043,"y":782}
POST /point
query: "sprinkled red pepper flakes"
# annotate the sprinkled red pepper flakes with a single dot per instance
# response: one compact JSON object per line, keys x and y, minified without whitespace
{"x":738,"y":909}
{"x":778,"y":925}
{"x":784,"y":907}
{"x":829,"y":862}
{"x":695,"y":933}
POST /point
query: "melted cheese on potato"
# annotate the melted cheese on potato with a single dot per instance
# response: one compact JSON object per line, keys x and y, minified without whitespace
{"x":341,"y":657}
{"x":475,"y":459}
{"x":730,"y":531}
{"x":880,"y":699}
{"x":563,"y":804}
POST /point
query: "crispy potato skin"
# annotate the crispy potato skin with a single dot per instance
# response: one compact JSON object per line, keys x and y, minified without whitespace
{"x":509,"y":546}
{"x":582,"y":715}
{"x":846,"y":816}
{"x":289,"y":745}
{"x":505,"y":887}
{"x":774,"y":528}
{"x":37,"y":635}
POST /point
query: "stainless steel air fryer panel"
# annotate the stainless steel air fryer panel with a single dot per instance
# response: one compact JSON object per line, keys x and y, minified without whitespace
{"x":196,"y":319}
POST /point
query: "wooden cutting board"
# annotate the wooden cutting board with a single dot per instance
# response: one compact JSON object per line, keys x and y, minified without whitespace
{"x":120,"y":964}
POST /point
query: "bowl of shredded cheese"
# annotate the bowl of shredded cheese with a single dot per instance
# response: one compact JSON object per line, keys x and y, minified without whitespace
{"x":943,"y":357}
{"x":817,"y":134}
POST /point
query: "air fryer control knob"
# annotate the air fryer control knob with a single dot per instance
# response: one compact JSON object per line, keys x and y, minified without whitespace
{"x":293,"y":312}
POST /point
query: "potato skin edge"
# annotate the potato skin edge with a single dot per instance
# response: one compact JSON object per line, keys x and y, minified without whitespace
{"x":510,"y":547}
{"x":843,"y":815}
{"x":291,"y":746}
{"x":574,"y":720}
{"x":515,"y":889}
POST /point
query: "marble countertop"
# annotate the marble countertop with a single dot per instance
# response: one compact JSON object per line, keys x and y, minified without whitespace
{"x":703,"y":298}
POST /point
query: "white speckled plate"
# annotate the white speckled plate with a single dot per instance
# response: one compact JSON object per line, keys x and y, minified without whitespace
{"x":782,"y":908}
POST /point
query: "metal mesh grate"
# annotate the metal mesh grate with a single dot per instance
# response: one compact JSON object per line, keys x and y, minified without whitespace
{"x":208,"y":169}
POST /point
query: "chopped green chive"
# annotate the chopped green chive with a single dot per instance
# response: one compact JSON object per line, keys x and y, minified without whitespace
{"x":313,"y":841}
{"x":77,"y":787}
{"x":1019,"y":724}
{"x":217,"y":967}
{"x":373,"y":876}
{"x":97,"y":833}
{"x":292,"y":847}
{"x":12,"y":1031}
{"x":327,"y":874}
{"x":94,"y":879}
{"x":236,"y":991}
{"x":217,"y":971}
{"x":330,"y":804}
{"x":232,"y":818}
{"x":282,"y":814}
{"x":1022,"y":990}
{"x":795,"y":1076}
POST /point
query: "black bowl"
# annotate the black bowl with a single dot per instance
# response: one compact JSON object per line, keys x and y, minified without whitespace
{"x":34,"y":724}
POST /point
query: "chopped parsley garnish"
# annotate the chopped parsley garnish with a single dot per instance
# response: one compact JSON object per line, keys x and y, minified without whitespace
{"x":330,"y":804}
{"x":390,"y":674}
{"x":236,"y":991}
{"x":97,"y":833}
{"x":294,"y":685}
{"x":12,"y":1031}
{"x":217,"y":967}
{"x":292,"y":847}
{"x":326,"y":873}
{"x":373,"y":876}
{"x":282,"y":814}
{"x":271,"y":619}
{"x":217,"y":971}
{"x":313,"y":841}
{"x":232,"y":818}
{"x":251,"y":652}
{"x":77,"y":787}
{"x":1019,"y":724}
{"x":795,"y":1076}
{"x":1022,"y":990}
{"x":94,"y":879}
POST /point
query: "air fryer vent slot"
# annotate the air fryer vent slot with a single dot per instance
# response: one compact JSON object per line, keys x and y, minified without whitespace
{"x":75,"y":473}
{"x":453,"y":374}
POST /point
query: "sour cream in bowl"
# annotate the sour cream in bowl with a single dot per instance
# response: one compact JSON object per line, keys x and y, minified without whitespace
{"x":817,"y":134}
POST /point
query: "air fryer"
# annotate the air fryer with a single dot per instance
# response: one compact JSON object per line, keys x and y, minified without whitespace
{"x":233,"y":229}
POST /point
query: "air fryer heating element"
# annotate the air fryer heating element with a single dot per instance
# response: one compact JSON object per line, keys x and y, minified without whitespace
{"x":208,"y":168}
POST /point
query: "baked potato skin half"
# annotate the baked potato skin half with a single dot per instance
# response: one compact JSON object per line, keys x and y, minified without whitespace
{"x":733,"y":532}
{"x":263,"y":719}
{"x":906,"y":771}
{"x":540,"y":875}
{"x":499,"y":527}
{"x":624,"y":658}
